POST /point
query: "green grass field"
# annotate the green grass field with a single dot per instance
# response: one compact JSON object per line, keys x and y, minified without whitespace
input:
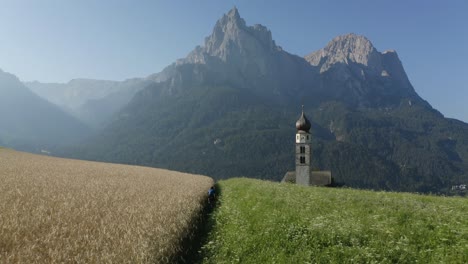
{"x":264,"y":222}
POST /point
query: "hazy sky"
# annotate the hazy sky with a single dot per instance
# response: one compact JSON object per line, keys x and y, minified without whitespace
{"x":55,"y":41}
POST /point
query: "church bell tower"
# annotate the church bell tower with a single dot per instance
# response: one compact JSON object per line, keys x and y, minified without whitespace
{"x":303,"y":150}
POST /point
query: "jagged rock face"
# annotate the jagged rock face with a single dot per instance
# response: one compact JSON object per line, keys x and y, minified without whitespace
{"x":352,"y":68}
{"x":348,"y":69}
{"x":242,"y":56}
{"x":234,"y":42}
{"x":347,"y":49}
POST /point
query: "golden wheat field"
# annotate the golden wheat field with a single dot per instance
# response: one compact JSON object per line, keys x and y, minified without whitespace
{"x":55,"y":210}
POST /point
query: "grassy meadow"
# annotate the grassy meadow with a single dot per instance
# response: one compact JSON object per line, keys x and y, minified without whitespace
{"x":264,"y":222}
{"x":68,"y":211}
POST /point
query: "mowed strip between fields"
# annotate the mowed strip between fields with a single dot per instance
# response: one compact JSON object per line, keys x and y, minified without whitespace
{"x":60,"y":210}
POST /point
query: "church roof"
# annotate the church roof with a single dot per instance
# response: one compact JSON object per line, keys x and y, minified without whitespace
{"x":303,"y":123}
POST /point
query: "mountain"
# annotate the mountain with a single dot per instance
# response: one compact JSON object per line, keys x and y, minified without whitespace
{"x":355,"y":72}
{"x":94,"y":102}
{"x":229,"y":108}
{"x":31,"y":123}
{"x":245,"y":57}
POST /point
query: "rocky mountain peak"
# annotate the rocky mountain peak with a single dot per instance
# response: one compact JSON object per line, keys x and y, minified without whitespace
{"x":234,"y":14}
{"x":230,"y":21}
{"x":350,"y":43}
{"x":232,"y":40}
{"x":354,"y":63}
{"x":347,"y":49}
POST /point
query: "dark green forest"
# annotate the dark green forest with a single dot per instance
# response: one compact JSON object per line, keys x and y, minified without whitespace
{"x":225,"y":132}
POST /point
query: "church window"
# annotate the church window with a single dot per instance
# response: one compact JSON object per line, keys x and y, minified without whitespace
{"x":302,"y":149}
{"x":307,"y":137}
{"x":302,"y":160}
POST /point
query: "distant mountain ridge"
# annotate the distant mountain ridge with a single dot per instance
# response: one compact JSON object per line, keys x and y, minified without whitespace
{"x":29,"y":122}
{"x":94,"y":102}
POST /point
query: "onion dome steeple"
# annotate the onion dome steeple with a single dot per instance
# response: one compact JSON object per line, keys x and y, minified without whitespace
{"x":303,"y":123}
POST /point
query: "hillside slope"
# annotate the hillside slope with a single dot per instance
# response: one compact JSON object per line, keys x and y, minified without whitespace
{"x":29,"y":122}
{"x":94,"y":102}
{"x":60,"y":211}
{"x":264,"y":222}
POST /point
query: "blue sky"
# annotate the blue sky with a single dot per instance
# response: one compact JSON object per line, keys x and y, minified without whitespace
{"x":58,"y":40}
